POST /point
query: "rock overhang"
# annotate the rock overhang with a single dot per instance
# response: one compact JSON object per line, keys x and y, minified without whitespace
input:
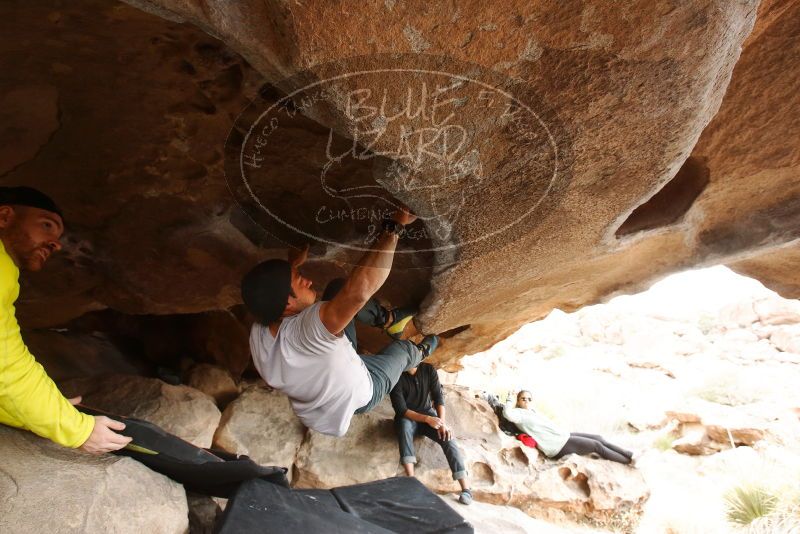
{"x":635,"y":102}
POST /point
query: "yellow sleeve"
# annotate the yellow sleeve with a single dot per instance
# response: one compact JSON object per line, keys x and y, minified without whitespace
{"x":28,"y":397}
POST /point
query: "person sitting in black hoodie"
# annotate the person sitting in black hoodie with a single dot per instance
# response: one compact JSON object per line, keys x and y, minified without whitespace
{"x":413,"y":398}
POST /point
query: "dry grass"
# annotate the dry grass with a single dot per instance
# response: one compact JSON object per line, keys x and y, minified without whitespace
{"x":785,"y":520}
{"x":745,"y":504}
{"x":663,"y":442}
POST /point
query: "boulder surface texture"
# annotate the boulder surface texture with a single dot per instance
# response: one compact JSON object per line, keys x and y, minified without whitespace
{"x":47,"y":488}
{"x":633,"y":140}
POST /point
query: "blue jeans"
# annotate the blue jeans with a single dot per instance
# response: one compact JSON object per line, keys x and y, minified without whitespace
{"x":407,"y":429}
{"x":385,"y":367}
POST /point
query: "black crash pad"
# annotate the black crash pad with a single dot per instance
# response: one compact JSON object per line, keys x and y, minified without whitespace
{"x":398,"y":505}
{"x":209,"y":472}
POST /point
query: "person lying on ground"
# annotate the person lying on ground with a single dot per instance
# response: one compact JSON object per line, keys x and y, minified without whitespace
{"x":307,"y":349}
{"x":30,"y":231}
{"x":414,"y":398}
{"x":553,"y":441}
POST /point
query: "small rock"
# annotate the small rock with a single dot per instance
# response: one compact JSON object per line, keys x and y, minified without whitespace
{"x":786,"y":338}
{"x":203,"y":512}
{"x":683,"y":417}
{"x":740,"y":435}
{"x":696,"y":443}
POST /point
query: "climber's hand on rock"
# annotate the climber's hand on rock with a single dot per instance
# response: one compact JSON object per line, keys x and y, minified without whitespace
{"x":104,"y":438}
{"x":404,"y":216}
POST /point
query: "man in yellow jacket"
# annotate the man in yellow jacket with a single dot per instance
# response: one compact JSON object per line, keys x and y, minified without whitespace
{"x":30,"y":229}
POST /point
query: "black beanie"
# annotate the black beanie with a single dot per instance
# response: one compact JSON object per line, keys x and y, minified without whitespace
{"x":27,"y":196}
{"x":266,"y":289}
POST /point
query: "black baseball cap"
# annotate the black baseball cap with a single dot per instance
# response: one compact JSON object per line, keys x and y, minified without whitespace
{"x":28,"y":196}
{"x":266,"y":289}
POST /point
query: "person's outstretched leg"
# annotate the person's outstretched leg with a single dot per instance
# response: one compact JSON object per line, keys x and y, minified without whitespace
{"x":385,"y":368}
{"x":582,"y":446}
{"x":611,"y":446}
{"x":450,"y":450}
{"x":406,"y":429}
{"x":372,"y":313}
{"x":454,"y":460}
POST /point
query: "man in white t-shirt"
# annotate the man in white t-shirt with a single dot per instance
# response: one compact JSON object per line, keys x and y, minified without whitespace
{"x":307,"y":349}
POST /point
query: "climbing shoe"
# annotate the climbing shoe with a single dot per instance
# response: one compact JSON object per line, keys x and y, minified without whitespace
{"x":428,"y":345}
{"x":465,"y":497}
{"x":400,"y":318}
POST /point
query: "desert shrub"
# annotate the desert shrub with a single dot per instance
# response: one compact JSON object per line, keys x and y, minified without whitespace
{"x":783,"y":521}
{"x":706,"y":322}
{"x":745,"y":504}
{"x":554,"y":352}
{"x":664,"y":442}
{"x":727,"y":389}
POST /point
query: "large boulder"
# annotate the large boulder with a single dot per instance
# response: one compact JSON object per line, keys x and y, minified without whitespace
{"x":48,"y":488}
{"x":214,"y":381}
{"x":581,"y":486}
{"x":367,"y":452}
{"x":181,"y":410}
{"x":261,"y":424}
{"x":497,"y":464}
{"x":502,"y":470}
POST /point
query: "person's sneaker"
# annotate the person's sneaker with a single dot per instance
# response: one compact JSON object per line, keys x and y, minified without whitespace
{"x":465,"y":497}
{"x":400,"y":318}
{"x":428,"y":345}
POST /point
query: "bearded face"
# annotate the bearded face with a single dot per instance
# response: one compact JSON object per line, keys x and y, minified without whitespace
{"x":30,"y":235}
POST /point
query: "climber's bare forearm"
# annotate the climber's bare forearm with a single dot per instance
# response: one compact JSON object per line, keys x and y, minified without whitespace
{"x":364,"y":281}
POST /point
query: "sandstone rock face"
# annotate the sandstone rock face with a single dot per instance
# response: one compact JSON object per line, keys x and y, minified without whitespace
{"x":709,"y":429}
{"x":695,"y":442}
{"x":739,"y":435}
{"x":68,"y":355}
{"x":777,"y":268}
{"x":261,"y":424}
{"x":740,"y":314}
{"x":777,"y":311}
{"x":489,"y":518}
{"x":181,"y":410}
{"x":579,"y":485}
{"x":214,"y":381}
{"x":706,"y":128}
{"x":787,"y":338}
{"x":502,"y":471}
{"x":47,"y":488}
{"x":367,"y":452}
